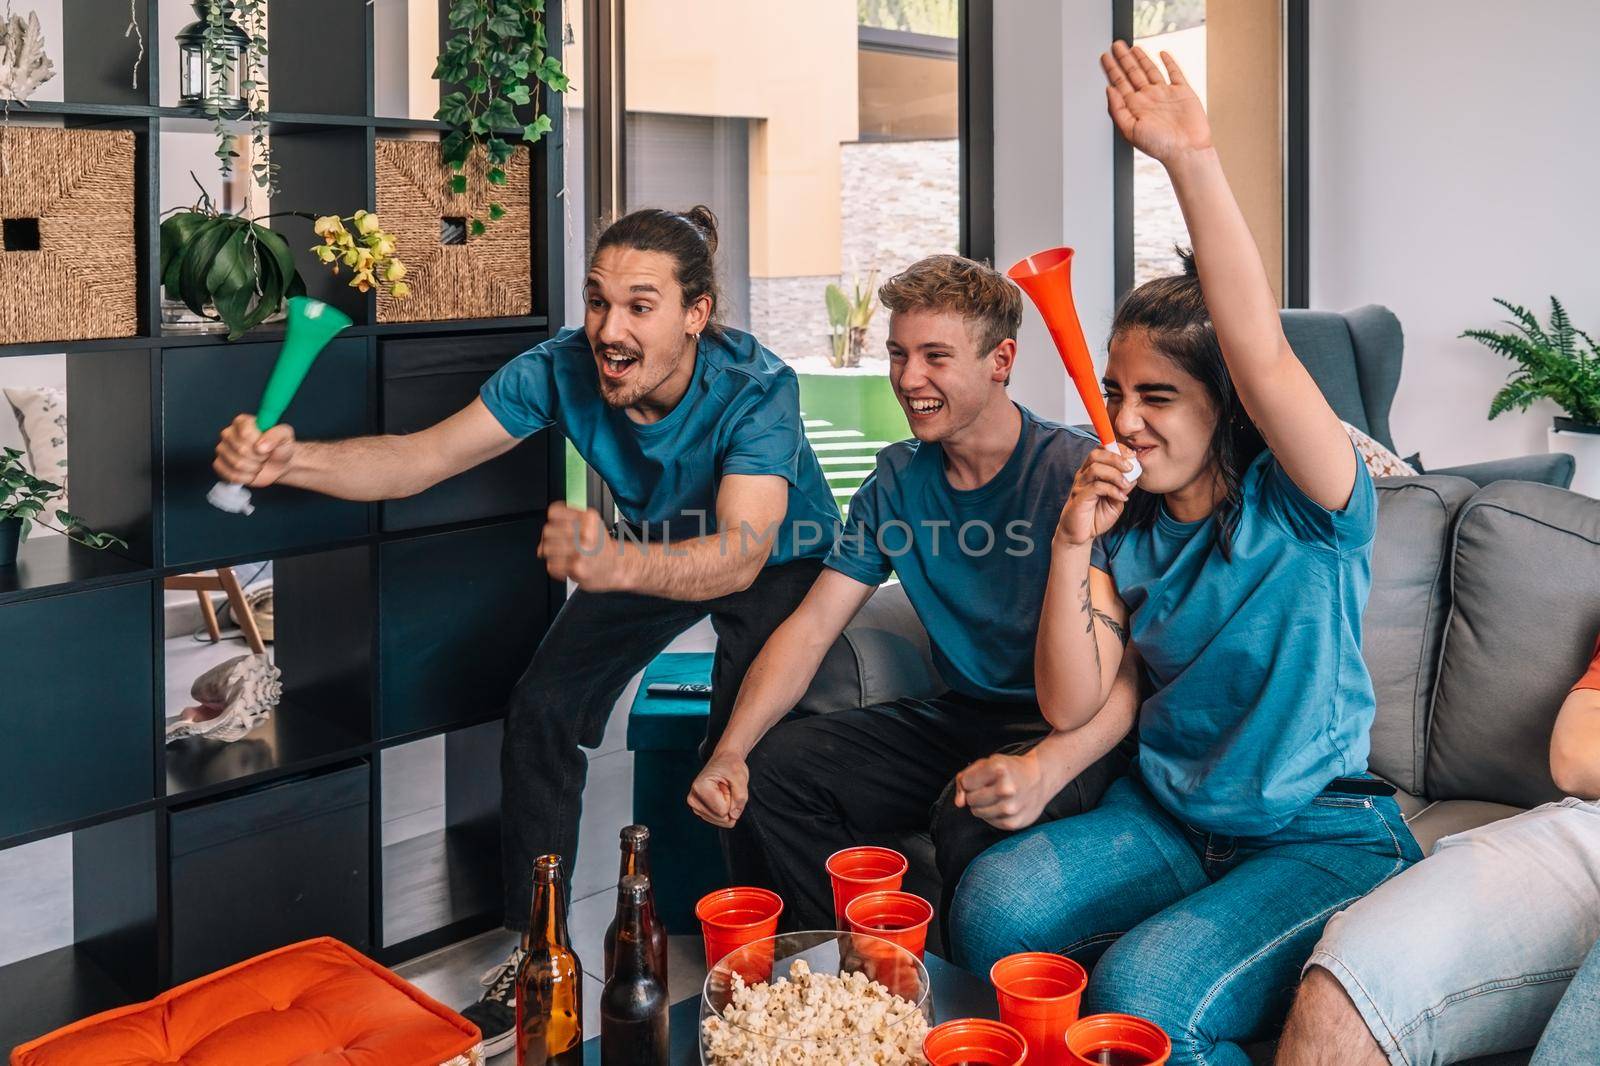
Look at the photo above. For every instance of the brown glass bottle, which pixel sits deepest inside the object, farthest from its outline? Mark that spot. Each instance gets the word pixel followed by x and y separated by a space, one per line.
pixel 550 979
pixel 636 863
pixel 633 1007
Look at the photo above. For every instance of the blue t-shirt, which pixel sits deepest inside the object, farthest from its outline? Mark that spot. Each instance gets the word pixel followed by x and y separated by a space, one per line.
pixel 973 561
pixel 1261 696
pixel 741 415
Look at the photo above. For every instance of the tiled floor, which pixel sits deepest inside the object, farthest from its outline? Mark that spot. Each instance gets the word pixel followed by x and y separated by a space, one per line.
pixel 451 975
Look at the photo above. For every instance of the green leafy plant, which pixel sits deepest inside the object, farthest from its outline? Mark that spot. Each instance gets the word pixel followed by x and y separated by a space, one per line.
pixel 497 47
pixel 1559 362
pixel 848 317
pixel 251 17
pixel 227 267
pixel 24 498
pixel 232 269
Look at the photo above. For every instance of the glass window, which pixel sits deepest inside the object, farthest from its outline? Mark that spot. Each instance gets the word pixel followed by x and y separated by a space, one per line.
pixel 825 139
pixel 1178 27
pixel 1233 57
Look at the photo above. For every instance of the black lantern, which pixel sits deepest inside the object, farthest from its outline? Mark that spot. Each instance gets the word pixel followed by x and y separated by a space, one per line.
pixel 211 65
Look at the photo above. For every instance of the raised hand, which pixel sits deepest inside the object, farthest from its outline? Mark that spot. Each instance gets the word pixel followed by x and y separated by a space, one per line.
pixel 1159 115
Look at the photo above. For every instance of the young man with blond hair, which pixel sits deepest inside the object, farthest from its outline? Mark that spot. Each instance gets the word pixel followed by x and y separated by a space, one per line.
pixel 963 514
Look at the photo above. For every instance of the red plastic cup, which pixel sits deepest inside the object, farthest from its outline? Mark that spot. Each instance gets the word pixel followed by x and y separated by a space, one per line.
pixel 1118 1039
pixel 730 918
pixel 1038 994
pixel 856 871
pixel 898 917
pixel 974 1041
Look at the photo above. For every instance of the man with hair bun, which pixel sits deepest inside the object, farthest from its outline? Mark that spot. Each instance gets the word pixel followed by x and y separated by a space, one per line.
pixel 964 514
pixel 696 429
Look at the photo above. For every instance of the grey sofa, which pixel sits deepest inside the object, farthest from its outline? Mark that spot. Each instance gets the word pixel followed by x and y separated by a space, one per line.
pixel 1355 356
pixel 1484 609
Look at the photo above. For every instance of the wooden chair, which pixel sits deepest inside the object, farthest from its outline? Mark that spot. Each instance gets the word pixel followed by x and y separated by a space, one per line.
pixel 220 580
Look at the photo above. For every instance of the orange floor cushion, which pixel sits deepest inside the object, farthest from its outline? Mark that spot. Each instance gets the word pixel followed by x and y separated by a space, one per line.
pixel 316 1003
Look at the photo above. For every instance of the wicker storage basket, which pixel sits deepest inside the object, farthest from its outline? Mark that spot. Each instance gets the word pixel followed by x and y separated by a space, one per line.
pixel 70 192
pixel 486 277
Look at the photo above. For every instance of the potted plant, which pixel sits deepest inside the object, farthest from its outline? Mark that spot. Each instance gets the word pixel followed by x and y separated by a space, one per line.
pixel 848 318
pixel 1557 362
pixel 230 269
pixel 23 499
pixel 495 51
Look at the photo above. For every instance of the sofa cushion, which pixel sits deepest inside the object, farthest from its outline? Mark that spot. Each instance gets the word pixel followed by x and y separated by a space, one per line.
pixel 317 1001
pixel 1405 617
pixel 1525 592
pixel 1440 819
pixel 883 655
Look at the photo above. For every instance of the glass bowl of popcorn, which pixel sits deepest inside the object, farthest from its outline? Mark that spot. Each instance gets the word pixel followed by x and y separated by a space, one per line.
pixel 822 997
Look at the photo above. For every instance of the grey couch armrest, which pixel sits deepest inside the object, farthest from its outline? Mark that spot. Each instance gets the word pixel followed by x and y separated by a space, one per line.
pixel 1555 468
pixel 883 655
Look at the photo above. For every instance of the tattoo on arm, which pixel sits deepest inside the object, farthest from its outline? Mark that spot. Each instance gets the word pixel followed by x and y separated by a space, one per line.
pixel 1088 621
pixel 1112 624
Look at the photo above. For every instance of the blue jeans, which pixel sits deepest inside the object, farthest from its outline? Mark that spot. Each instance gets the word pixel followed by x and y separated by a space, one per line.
pixel 1202 934
pixel 1574 1029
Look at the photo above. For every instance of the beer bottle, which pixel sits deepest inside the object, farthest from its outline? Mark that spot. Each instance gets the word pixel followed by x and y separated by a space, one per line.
pixel 636 862
pixel 550 979
pixel 633 1007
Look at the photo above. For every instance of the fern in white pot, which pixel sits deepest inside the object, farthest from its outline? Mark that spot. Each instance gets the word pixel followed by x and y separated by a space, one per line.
pixel 1558 362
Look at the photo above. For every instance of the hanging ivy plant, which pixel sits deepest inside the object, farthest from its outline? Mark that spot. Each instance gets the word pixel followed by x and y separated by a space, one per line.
pixel 250 16
pixel 497 56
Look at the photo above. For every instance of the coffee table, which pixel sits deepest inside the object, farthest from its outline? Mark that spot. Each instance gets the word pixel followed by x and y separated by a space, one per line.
pixel 956 994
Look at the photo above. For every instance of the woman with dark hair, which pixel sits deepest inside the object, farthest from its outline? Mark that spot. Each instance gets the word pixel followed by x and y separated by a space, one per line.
pixel 1237 571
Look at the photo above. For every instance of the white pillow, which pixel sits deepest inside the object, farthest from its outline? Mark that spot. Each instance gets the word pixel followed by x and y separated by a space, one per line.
pixel 41 413
pixel 1381 462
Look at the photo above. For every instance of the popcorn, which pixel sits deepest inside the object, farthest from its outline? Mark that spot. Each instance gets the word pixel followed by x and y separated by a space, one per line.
pixel 816 1019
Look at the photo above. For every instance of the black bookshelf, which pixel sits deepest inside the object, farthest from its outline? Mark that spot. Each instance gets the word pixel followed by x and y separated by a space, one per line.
pixel 396 623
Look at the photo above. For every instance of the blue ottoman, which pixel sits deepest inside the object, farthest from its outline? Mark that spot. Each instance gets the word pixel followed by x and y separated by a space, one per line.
pixel 664 734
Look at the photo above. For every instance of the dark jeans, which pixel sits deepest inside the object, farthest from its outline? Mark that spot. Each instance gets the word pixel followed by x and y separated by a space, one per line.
pixel 959 836
pixel 860 776
pixel 596 644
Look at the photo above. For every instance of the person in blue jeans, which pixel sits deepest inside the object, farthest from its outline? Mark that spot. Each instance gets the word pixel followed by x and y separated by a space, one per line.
pixel 1237 570
pixel 1481 948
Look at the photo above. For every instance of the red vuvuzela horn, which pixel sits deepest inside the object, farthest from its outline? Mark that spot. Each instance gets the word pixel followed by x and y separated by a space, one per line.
pixel 1047 279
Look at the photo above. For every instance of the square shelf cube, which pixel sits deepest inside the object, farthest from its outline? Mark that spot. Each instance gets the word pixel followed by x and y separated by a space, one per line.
pixel 77 710
pixel 441 833
pixel 427 379
pixel 433 676
pixel 203 387
pixel 78 932
pixel 454 274
pixel 68 260
pixel 256 871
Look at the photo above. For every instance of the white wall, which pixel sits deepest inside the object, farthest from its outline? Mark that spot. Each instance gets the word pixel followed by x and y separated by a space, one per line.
pixel 1052 175
pixel 1454 153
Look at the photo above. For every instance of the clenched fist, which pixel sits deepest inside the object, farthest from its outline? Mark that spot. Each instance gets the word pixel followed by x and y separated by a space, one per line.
pixel 247 456
pixel 720 790
pixel 1007 791
pixel 576 547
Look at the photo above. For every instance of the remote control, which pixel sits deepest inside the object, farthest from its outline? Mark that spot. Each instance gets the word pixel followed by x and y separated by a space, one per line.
pixel 668 688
